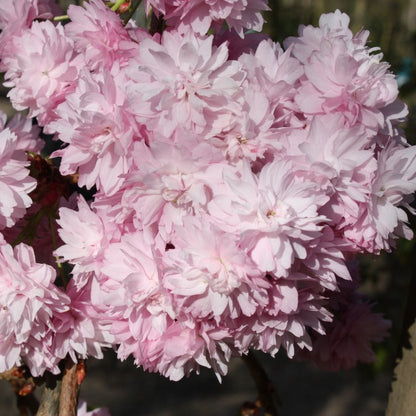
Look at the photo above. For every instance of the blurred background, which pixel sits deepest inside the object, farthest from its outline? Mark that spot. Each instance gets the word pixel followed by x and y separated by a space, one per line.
pixel 303 389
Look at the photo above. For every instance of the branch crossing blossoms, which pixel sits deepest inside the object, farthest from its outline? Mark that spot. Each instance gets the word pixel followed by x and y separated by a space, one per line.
pixel 228 183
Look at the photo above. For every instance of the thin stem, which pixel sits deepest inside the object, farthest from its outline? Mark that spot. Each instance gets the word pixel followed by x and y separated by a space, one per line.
pixel 117 4
pixel 59 18
pixel 267 394
pixel 53 232
pixel 49 405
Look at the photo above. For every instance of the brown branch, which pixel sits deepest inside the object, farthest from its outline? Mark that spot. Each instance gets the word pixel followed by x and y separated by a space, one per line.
pixel 10 375
pixel 60 394
pixel 68 401
pixel 49 405
pixel 267 395
pixel 402 400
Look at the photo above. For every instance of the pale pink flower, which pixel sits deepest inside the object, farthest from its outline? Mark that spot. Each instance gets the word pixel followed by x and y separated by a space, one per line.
pixel 84 236
pixel 130 271
pixel 41 69
pixel 276 214
pixel 346 164
pixel 182 348
pixel 276 74
pixel 84 330
pixel 383 218
pixel 209 276
pixel 249 135
pixel 268 106
pixel 144 322
pixel 344 76
pixel 17 16
pixel 15 182
pixel 331 26
pixel 96 123
pixel 28 300
pixel 184 81
pixel 99 35
pixel 171 182
pixel 127 290
pixel 27 133
pixel 201 15
pixel 295 306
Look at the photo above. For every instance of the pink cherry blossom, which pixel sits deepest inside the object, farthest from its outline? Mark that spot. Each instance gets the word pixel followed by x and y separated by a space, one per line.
pixel 15 182
pixel 286 320
pixel 346 163
pixel 383 218
pixel 29 301
pixel 343 75
pixel 41 70
pixel 184 81
pixel 144 321
pixel 85 237
pixel 200 15
pixel 17 16
pixel 276 74
pixel 172 182
pixel 99 35
pixel 209 276
pixel 96 123
pixel 269 213
pixel 27 133
pixel 84 331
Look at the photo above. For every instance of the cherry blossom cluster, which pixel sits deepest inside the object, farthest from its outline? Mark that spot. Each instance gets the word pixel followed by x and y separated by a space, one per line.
pixel 228 184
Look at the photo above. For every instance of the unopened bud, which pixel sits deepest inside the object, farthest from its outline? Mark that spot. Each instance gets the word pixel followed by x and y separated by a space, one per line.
pixel 124 7
pixel 26 389
pixel 81 372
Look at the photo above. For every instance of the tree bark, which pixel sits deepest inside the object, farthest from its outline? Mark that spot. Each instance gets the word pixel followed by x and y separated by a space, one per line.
pixel 60 397
pixel 402 400
pixel 49 404
pixel 68 402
